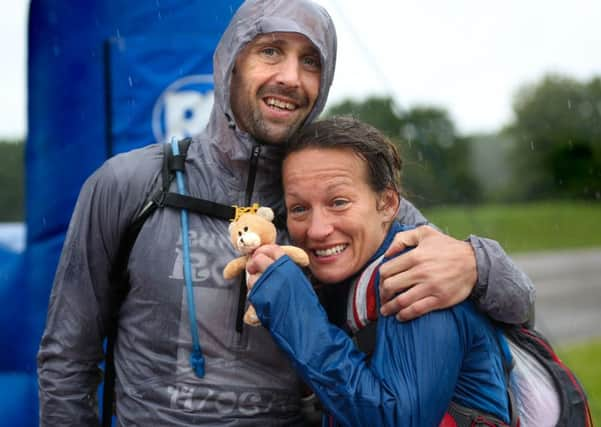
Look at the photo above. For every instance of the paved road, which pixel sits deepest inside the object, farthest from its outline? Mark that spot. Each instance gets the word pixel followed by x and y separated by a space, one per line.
pixel 568 293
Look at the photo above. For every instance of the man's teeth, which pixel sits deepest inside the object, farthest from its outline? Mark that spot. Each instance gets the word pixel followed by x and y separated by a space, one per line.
pixel 280 104
pixel 330 251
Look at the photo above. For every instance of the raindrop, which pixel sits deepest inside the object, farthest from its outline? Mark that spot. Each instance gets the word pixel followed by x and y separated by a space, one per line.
pixel 531 145
pixel 569 104
pixel 130 81
pixel 52 18
pixel 446 140
pixel 409 132
pixel 585 110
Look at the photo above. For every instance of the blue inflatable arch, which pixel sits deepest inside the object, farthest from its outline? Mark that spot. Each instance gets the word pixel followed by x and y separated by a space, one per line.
pixel 104 76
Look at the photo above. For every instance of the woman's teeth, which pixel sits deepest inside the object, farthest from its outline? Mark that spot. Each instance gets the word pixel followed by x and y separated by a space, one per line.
pixel 335 250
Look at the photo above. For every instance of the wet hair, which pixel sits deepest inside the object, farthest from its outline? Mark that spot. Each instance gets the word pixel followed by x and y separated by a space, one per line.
pixel 381 156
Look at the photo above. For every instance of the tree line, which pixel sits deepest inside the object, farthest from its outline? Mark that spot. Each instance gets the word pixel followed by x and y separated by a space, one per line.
pixel 550 150
pixel 12 179
pixel 552 146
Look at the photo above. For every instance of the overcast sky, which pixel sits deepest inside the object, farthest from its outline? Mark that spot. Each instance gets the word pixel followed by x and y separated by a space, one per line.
pixel 468 56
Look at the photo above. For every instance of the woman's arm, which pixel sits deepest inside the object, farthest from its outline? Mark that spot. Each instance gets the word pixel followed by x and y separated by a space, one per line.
pixel 413 371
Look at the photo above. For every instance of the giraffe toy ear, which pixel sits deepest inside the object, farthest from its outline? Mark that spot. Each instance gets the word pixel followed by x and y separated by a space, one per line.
pixel 266 213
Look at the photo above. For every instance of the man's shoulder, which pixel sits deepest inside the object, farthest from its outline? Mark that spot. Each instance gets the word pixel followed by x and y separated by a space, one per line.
pixel 409 214
pixel 127 174
pixel 140 161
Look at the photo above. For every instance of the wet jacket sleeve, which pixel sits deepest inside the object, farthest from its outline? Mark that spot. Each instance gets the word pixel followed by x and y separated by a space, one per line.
pixel 503 291
pixel 79 308
pixel 412 373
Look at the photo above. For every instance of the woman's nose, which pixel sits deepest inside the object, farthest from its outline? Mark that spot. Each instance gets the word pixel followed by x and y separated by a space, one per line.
pixel 320 227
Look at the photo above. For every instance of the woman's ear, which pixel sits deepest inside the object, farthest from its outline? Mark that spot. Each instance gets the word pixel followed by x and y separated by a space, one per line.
pixel 388 204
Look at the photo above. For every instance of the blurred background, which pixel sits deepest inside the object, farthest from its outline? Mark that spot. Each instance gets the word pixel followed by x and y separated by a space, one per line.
pixel 496 109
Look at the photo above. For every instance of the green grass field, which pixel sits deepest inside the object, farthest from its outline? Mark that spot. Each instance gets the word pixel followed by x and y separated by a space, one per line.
pixel 525 227
pixel 584 360
pixel 539 227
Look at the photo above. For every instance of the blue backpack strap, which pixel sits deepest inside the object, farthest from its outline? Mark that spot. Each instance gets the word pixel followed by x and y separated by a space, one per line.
pixel 196 358
pixel 172 165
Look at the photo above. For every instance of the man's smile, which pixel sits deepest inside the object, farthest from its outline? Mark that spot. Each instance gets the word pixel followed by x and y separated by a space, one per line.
pixel 280 104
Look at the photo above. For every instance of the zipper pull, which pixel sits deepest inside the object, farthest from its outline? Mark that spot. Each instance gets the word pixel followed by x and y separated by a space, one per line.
pixel 252 172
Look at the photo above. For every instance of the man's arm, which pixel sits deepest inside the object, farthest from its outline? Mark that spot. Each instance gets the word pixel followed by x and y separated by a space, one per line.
pixel 80 304
pixel 442 271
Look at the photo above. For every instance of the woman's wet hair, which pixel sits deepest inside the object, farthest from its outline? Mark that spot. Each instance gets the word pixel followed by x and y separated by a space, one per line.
pixel 381 156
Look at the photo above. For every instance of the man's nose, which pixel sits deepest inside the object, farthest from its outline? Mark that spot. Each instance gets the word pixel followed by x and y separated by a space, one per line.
pixel 320 226
pixel 289 72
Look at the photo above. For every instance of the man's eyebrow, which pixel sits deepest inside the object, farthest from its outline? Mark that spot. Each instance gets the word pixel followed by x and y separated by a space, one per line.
pixel 267 39
pixel 313 51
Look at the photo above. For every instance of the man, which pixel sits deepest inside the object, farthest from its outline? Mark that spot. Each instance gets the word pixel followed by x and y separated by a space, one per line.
pixel 272 70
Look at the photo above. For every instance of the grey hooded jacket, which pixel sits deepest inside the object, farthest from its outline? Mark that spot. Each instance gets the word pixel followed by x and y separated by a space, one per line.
pixel 248 380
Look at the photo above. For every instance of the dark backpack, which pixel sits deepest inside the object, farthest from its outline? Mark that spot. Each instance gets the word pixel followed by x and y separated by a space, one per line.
pixel 574 407
pixel 574 410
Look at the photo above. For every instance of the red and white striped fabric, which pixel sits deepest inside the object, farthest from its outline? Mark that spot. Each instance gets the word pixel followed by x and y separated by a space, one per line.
pixel 362 306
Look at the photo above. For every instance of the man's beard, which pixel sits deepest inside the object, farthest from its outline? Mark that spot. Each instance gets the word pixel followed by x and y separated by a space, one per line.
pixel 266 132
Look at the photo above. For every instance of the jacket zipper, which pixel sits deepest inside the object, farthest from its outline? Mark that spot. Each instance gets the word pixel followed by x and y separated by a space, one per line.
pixel 250 184
pixel 252 172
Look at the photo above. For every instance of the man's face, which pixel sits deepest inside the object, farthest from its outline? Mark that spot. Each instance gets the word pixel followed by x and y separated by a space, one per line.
pixel 274 85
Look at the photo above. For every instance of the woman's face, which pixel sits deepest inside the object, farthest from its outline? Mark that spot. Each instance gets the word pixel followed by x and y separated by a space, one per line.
pixel 333 214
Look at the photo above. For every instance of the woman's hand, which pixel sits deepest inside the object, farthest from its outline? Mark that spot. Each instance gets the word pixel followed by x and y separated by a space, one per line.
pixel 439 273
pixel 261 259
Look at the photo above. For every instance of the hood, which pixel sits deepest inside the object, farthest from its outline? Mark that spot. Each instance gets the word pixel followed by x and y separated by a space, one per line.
pixel 256 17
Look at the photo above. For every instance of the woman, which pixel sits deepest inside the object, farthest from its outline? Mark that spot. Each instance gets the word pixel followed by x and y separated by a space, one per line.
pixel 341 181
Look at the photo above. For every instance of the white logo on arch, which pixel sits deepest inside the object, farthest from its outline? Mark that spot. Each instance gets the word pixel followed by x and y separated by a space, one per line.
pixel 184 107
